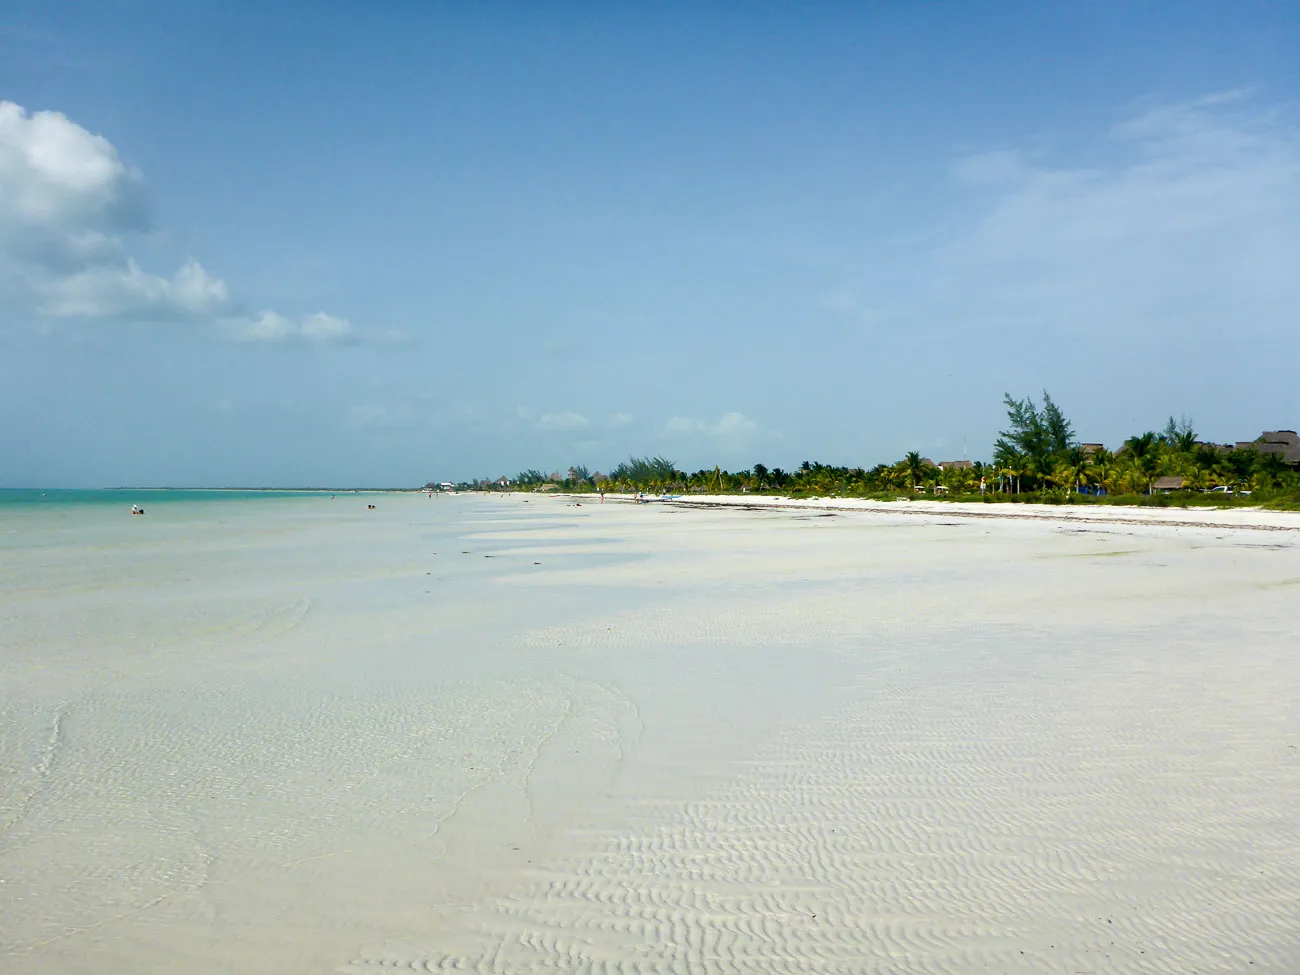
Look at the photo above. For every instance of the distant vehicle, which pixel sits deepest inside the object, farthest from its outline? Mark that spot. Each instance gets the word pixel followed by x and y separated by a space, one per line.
pixel 1221 489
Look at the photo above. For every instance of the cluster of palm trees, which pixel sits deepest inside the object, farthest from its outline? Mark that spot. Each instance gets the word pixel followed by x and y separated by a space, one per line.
pixel 1037 456
pixel 1039 453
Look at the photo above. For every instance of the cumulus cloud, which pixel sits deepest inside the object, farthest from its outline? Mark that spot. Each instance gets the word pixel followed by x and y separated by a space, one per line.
pixel 68 204
pixel 61 180
pixel 123 290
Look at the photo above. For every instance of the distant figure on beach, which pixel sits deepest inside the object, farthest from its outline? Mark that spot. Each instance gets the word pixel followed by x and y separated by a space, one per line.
pixel 136 509
pixel 370 507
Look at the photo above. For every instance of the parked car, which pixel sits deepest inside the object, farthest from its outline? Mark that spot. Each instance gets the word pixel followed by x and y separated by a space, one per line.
pixel 1221 489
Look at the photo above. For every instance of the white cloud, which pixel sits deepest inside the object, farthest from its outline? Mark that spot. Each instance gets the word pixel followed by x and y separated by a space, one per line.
pixel 730 426
pixel 271 326
pixel 59 179
pixel 561 421
pixel 113 290
pixel 324 327
pixel 67 205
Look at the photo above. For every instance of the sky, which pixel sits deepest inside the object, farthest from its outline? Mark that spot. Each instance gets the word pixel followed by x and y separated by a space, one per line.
pixel 290 244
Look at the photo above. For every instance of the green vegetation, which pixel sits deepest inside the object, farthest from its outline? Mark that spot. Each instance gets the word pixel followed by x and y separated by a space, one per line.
pixel 1036 459
pixel 645 472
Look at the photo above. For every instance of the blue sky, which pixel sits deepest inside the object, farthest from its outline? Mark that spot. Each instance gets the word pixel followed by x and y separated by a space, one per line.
pixel 338 244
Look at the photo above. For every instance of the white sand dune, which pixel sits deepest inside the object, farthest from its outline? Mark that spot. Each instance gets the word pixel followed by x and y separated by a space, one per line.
pixel 288 737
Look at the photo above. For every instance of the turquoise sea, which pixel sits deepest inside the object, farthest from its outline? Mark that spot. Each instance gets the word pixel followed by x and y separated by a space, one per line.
pixel 144 496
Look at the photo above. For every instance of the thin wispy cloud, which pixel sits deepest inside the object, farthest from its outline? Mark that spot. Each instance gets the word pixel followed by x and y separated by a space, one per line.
pixel 272 327
pixel 1193 215
pixel 730 426
pixel 561 421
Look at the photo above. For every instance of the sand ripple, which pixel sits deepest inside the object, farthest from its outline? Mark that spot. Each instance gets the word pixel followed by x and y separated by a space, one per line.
pixel 1043 828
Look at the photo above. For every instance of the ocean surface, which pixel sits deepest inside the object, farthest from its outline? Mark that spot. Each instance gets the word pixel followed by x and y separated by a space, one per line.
pixel 10 497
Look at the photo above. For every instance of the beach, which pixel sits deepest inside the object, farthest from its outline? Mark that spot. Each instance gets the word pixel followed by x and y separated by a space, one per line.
pixel 513 733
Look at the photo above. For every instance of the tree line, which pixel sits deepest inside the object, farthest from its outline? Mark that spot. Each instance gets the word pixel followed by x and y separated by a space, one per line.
pixel 1036 458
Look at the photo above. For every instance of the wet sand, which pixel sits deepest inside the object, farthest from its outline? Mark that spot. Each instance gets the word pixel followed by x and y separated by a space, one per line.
pixel 295 735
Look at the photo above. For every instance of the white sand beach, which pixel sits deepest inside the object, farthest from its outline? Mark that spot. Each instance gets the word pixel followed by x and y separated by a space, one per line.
pixel 1209 516
pixel 526 734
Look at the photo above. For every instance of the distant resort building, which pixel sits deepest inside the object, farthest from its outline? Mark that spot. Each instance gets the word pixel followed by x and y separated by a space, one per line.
pixel 1284 443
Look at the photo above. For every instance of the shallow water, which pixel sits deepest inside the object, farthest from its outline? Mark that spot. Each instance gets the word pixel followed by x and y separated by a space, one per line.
pixel 290 734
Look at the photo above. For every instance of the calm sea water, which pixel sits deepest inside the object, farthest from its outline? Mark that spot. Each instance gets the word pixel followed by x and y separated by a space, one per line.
pixel 27 497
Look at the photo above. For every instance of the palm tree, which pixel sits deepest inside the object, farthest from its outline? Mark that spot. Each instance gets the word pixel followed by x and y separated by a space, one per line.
pixel 1014 465
pixel 1269 470
pixel 1205 457
pixel 914 466
pixel 1144 456
pixel 1073 468
pixel 1141 445
pixel 1102 471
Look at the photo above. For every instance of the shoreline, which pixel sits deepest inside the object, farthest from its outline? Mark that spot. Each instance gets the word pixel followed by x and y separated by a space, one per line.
pixel 1255 519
